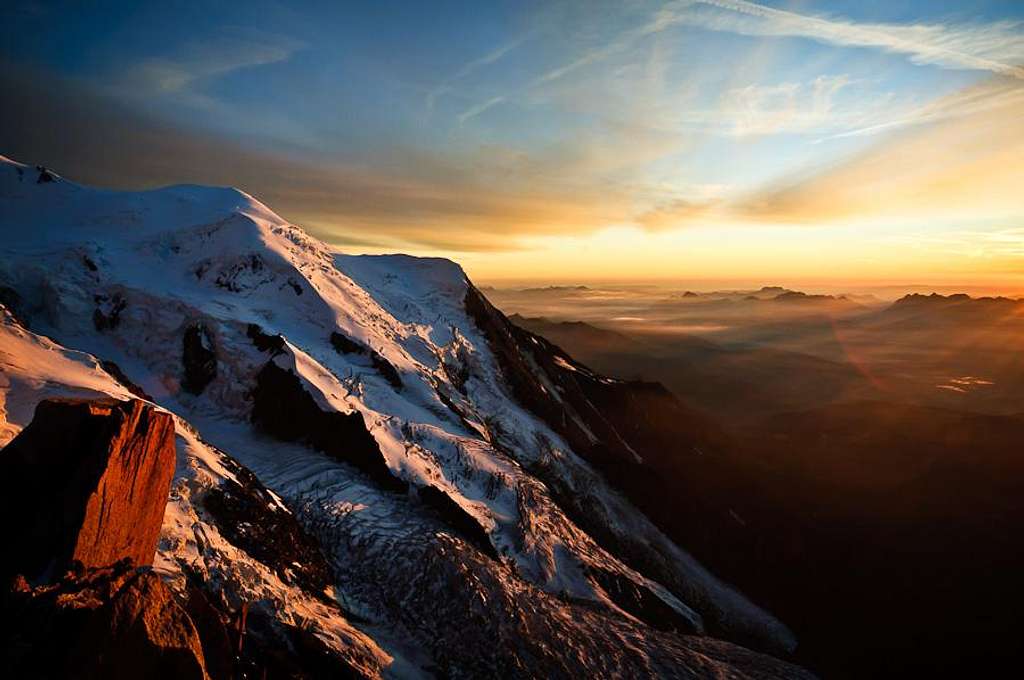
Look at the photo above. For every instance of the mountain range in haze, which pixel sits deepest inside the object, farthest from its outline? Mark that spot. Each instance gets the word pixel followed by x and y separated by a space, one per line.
pixel 872 481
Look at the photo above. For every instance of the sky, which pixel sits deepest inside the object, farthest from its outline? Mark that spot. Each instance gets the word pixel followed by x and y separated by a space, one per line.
pixel 784 142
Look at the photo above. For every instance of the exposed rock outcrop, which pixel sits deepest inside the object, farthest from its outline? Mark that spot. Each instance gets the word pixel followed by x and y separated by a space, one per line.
pixel 620 426
pixel 283 408
pixel 265 342
pixel 12 302
pixel 661 455
pixel 460 520
pixel 112 623
pixel 120 376
pixel 141 632
pixel 251 518
pixel 85 482
pixel 525 368
pixel 46 175
pixel 640 602
pixel 107 315
pixel 199 359
pixel 346 345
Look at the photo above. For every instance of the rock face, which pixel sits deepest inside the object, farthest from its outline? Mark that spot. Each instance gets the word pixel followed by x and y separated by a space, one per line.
pixel 198 358
pixel 642 603
pixel 605 420
pixel 346 345
pixel 87 482
pixel 659 454
pixel 457 518
pixel 111 623
pixel 264 342
pixel 142 632
pixel 284 409
pixel 243 512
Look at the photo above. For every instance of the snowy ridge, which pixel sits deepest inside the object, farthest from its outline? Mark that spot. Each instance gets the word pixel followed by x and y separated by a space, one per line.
pixel 122 276
pixel 33 368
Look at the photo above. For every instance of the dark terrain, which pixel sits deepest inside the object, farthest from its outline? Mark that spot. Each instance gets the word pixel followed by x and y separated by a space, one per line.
pixel 847 496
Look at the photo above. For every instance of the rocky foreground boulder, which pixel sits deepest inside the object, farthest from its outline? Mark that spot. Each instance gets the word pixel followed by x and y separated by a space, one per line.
pixel 85 482
pixel 86 487
pixel 112 623
pixel 88 483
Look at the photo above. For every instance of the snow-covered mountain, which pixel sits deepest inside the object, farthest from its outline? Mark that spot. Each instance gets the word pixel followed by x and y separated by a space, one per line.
pixel 368 452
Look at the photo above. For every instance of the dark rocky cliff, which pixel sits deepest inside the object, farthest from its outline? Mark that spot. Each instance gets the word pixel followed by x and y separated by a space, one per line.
pixel 87 482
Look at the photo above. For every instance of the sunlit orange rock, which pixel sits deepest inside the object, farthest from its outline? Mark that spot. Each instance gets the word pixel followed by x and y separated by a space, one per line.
pixel 111 623
pixel 85 482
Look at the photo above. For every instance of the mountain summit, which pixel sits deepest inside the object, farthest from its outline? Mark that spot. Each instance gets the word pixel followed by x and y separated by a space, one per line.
pixel 377 474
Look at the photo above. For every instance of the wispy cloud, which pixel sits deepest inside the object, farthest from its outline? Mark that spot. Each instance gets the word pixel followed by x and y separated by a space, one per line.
pixel 414 200
pixel 786 107
pixel 656 23
pixel 997 47
pixel 678 212
pixel 471 67
pixel 970 102
pixel 966 165
pixel 827 106
pixel 474 111
pixel 184 71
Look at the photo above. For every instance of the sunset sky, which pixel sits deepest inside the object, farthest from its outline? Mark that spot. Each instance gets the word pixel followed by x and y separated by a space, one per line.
pixel 560 141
